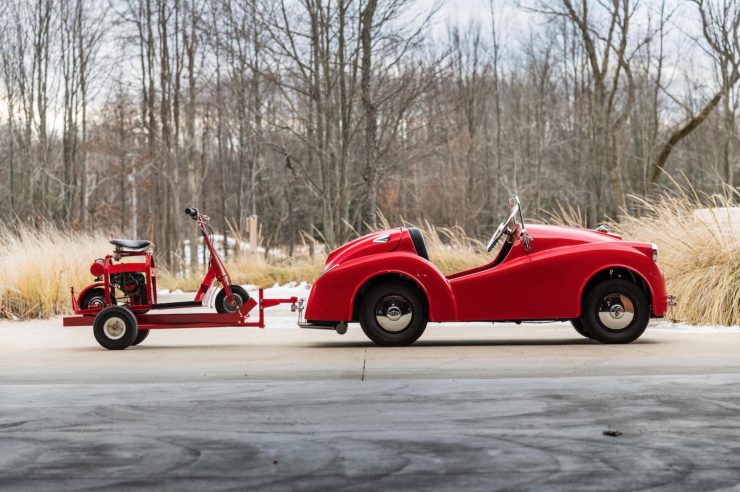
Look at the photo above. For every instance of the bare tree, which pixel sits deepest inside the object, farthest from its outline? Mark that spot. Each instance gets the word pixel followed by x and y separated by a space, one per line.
pixel 721 28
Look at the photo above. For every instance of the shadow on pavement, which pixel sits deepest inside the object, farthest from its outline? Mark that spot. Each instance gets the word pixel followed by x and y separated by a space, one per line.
pixel 474 343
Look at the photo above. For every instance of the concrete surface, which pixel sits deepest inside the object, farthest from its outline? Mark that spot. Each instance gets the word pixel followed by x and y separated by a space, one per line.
pixel 469 407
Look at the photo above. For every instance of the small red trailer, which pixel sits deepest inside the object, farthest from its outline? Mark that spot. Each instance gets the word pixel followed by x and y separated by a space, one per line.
pixel 118 304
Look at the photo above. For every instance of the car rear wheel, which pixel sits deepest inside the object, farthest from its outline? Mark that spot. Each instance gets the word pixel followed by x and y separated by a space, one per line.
pixel 616 311
pixel 578 325
pixel 393 314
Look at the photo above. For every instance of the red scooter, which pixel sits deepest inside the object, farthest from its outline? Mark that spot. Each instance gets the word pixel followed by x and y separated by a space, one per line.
pixel 117 304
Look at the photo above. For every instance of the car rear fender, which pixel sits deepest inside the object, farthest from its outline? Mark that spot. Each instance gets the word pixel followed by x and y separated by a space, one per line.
pixel 338 291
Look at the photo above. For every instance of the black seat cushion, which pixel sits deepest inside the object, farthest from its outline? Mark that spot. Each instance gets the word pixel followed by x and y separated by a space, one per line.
pixel 418 239
pixel 130 243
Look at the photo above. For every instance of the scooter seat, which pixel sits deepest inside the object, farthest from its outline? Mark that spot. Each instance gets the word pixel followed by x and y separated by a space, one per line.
pixel 135 244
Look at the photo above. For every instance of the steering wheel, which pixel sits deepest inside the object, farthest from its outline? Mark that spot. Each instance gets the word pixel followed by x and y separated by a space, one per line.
pixel 504 227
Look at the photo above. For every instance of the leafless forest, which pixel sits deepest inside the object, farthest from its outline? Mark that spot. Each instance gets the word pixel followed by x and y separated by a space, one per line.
pixel 317 115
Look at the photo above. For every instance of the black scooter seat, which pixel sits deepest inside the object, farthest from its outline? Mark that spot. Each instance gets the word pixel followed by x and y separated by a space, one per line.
pixel 135 244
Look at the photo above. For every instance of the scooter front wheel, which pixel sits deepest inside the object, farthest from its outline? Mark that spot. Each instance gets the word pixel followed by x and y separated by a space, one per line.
pixel 222 300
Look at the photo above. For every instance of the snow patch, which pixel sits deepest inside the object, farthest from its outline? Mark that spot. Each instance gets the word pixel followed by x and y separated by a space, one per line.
pixel 281 291
pixel 686 328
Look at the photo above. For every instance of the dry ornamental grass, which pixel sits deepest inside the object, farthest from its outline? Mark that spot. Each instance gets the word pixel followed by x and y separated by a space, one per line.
pixel 698 237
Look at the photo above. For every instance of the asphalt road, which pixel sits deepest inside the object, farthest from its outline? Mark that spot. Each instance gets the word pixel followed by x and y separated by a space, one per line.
pixel 468 407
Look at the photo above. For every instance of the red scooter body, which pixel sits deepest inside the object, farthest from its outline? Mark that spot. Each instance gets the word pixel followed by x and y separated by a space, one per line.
pixel 119 302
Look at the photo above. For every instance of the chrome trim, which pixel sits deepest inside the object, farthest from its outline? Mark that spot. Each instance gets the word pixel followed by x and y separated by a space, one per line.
pixel 382 239
pixel 302 323
pixel 655 251
pixel 394 313
pixel 114 328
pixel 616 311
pixel 299 307
pixel 328 269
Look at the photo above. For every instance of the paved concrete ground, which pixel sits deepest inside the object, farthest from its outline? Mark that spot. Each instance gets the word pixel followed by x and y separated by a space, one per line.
pixel 468 407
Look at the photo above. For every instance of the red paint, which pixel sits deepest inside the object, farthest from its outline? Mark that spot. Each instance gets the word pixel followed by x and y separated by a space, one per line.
pixel 545 283
pixel 194 320
pixel 217 273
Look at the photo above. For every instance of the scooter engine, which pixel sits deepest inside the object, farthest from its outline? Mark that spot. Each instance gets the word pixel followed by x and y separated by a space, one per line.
pixel 133 286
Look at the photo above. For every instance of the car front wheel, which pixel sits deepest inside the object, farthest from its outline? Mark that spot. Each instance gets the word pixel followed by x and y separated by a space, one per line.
pixel 615 311
pixel 393 314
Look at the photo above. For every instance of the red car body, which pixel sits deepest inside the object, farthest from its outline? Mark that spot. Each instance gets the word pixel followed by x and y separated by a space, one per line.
pixel 546 281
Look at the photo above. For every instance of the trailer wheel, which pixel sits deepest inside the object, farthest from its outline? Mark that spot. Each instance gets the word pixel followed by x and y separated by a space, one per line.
pixel 393 314
pixel 140 336
pixel 222 300
pixel 616 311
pixel 115 328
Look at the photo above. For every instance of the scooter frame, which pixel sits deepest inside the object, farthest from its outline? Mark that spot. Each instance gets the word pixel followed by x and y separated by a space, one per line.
pixel 216 272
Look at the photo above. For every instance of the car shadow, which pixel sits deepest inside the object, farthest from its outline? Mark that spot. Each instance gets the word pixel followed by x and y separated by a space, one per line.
pixel 474 343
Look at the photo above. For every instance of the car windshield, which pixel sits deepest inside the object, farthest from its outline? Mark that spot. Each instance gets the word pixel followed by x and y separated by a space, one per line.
pixel 515 207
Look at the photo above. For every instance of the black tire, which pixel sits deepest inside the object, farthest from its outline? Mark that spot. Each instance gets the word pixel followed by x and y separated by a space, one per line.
pixel 115 328
pixel 402 299
pixel 94 298
pixel 222 300
pixel 606 311
pixel 140 336
pixel 578 325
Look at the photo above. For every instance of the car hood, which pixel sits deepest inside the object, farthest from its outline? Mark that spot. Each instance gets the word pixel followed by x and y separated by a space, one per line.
pixel 550 236
pixel 573 235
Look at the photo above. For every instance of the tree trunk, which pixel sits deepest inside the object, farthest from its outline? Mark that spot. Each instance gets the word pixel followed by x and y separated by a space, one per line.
pixel 371 116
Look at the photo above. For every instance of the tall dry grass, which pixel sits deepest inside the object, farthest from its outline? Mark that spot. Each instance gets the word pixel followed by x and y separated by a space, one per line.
pixel 450 249
pixel 698 238
pixel 699 254
pixel 38 266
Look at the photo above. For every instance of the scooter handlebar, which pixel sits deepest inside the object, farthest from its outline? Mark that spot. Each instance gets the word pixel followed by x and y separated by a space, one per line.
pixel 192 212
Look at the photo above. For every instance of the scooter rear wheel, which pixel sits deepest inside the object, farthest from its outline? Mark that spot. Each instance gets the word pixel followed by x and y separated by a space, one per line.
pixel 95 298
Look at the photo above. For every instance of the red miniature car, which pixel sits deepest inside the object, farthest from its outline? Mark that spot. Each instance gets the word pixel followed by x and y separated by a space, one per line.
pixel 606 287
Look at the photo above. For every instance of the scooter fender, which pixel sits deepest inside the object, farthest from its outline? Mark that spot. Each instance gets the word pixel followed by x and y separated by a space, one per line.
pixel 90 287
pixel 334 293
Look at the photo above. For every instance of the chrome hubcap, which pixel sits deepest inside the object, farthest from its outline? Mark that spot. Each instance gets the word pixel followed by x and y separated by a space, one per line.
pixel 616 311
pixel 96 302
pixel 233 306
pixel 394 313
pixel 114 328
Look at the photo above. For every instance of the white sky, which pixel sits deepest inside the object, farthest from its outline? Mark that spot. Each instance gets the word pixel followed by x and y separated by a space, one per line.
pixel 514 25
